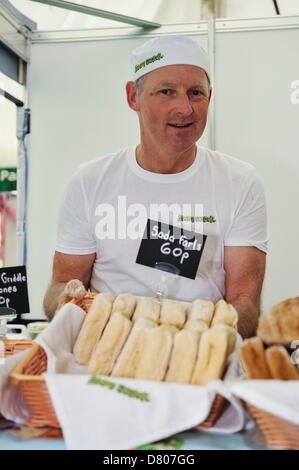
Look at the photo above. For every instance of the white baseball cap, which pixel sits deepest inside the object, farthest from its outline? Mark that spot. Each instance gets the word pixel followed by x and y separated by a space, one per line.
pixel 168 50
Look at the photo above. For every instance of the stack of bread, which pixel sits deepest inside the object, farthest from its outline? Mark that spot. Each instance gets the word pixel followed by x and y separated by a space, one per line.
pixel 142 338
pixel 269 355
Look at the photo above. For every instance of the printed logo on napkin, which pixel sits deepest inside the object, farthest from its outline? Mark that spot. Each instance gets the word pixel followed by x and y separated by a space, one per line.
pixel 171 248
pixel 97 380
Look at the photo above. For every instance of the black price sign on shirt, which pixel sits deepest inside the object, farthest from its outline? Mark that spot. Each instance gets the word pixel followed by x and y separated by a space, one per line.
pixel 13 289
pixel 171 249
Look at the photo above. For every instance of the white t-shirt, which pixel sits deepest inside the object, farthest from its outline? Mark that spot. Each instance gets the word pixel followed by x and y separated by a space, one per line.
pixel 109 199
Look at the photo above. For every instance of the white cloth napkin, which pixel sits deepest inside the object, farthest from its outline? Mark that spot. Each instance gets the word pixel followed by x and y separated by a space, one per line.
pixel 95 416
pixel 58 340
pixel 278 397
pixel 12 403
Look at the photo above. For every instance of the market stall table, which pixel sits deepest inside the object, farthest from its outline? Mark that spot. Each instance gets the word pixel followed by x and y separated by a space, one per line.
pixel 189 440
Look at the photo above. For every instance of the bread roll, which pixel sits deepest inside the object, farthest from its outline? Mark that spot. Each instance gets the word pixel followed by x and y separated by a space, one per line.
pixel 183 356
pixel 225 314
pixel 281 323
pixel 201 310
pixel 196 325
pixel 279 363
pixel 156 353
pixel 253 359
pixel 232 336
pixel 128 360
pixel 110 344
pixel 214 349
pixel 147 307
pixel 93 326
pixel 125 304
pixel 172 313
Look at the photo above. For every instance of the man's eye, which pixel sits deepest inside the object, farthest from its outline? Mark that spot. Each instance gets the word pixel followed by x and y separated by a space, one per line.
pixel 196 92
pixel 165 91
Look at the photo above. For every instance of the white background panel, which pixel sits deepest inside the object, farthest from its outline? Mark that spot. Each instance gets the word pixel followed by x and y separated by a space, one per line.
pixel 257 122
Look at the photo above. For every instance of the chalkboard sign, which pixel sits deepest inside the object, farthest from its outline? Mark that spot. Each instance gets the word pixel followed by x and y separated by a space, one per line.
pixel 13 289
pixel 171 248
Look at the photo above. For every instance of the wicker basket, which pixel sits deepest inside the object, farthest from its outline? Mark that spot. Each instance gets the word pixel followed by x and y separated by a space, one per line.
pixel 13 346
pixel 34 389
pixel 279 433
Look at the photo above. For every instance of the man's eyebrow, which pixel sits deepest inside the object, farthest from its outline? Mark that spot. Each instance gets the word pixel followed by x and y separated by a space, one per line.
pixel 196 86
pixel 165 85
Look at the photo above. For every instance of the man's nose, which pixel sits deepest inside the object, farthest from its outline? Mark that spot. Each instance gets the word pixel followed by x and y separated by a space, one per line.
pixel 183 105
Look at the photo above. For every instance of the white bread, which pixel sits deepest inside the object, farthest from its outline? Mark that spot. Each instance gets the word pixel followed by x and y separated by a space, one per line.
pixel 110 344
pixel 93 326
pixel 281 323
pixel 172 313
pixel 253 359
pixel 125 304
pixel 156 353
pixel 225 314
pixel 279 363
pixel 147 307
pixel 201 310
pixel 128 360
pixel 183 356
pixel 196 325
pixel 214 349
pixel 232 336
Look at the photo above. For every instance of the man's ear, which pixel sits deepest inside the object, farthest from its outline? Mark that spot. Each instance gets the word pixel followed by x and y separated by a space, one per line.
pixel 132 97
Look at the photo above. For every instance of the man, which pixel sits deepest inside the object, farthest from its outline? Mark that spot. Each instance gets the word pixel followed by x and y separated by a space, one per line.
pixel 101 243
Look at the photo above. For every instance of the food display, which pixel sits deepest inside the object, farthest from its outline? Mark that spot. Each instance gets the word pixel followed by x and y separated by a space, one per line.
pixel 268 355
pixel 281 324
pixel 93 326
pixel 143 338
pixel 279 363
pixel 216 344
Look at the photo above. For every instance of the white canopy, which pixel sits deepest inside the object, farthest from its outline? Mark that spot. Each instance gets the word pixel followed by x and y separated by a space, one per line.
pixel 50 17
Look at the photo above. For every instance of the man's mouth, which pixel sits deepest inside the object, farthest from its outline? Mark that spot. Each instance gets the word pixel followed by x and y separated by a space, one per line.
pixel 179 126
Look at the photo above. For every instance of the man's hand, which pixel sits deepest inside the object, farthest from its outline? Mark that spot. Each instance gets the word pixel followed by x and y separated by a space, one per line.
pixel 66 268
pixel 74 289
pixel 245 270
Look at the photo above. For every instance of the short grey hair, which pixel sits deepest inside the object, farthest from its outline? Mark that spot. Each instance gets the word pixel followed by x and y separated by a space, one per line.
pixel 140 82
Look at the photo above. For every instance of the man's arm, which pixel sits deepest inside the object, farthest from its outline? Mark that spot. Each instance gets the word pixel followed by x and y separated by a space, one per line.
pixel 66 268
pixel 245 270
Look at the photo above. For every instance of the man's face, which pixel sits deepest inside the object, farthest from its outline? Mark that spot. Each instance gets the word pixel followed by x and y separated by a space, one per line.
pixel 172 107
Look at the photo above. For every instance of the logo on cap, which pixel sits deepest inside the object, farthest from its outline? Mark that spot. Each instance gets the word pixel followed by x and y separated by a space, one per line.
pixel 159 56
